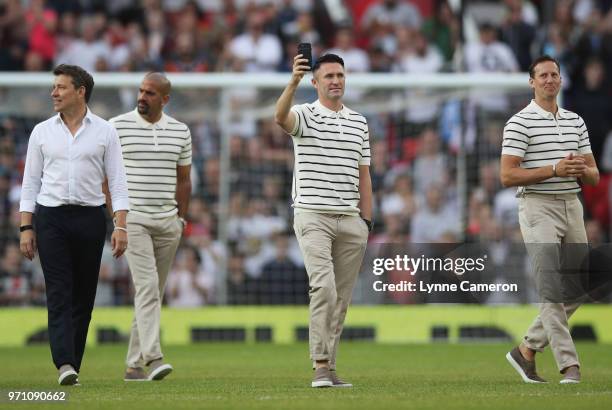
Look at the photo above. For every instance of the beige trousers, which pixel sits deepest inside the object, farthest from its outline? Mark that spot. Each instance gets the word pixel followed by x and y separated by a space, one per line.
pixel 548 223
pixel 152 245
pixel 333 247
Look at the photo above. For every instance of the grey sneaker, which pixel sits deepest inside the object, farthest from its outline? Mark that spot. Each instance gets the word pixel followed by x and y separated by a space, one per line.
pixel 322 378
pixel 525 368
pixel 571 375
pixel 67 375
pixel 337 381
pixel 159 369
pixel 135 374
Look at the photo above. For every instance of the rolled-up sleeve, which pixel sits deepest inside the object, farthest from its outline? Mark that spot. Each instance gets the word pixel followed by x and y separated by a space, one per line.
pixel 32 174
pixel 115 172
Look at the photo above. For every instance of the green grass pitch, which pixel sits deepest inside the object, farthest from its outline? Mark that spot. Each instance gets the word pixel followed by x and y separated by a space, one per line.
pixel 265 376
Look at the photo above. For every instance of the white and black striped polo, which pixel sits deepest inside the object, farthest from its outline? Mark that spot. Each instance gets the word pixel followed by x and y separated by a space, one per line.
pixel 329 148
pixel 540 139
pixel 151 153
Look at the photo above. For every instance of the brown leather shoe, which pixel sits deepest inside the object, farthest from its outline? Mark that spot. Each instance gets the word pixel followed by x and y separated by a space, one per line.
pixel 571 375
pixel 525 368
pixel 322 378
pixel 135 374
pixel 337 381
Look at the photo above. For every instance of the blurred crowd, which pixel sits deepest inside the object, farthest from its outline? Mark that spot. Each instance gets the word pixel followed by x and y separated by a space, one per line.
pixel 414 163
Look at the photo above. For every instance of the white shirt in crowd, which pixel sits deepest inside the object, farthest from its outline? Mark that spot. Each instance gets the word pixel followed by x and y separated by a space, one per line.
pixel 62 169
pixel 181 282
pixel 261 55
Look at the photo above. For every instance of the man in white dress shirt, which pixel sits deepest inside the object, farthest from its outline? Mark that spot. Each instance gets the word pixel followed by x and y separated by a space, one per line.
pixel 70 157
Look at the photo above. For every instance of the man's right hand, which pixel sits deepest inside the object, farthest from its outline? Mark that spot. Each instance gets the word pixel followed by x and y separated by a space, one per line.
pixel 27 243
pixel 300 68
pixel 571 166
pixel 282 114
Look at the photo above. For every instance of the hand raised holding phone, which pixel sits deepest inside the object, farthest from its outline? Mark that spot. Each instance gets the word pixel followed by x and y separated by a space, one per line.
pixel 302 62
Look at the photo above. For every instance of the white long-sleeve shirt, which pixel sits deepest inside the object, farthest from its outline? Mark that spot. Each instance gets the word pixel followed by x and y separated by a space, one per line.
pixel 62 169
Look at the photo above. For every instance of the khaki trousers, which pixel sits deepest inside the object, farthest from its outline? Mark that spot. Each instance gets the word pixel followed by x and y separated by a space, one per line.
pixel 548 223
pixel 333 247
pixel 152 245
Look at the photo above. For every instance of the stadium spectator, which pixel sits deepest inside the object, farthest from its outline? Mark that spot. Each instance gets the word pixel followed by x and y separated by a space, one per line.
pixel 254 50
pixel 157 153
pixel 489 54
pixel 186 57
pixel 42 26
pixel 190 284
pixel 435 220
pixel 590 99
pixel 88 50
pixel 387 13
pixel 442 30
pixel 518 34
pixel 282 281
pixel 299 29
pixel 400 201
pixel 355 59
pixel 68 31
pixel 431 164
pixel 241 289
pixel 13 36
pixel 380 62
pixel 423 59
pixel 595 41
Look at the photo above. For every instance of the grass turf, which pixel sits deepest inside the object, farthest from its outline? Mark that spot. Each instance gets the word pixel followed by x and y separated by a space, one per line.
pixel 248 376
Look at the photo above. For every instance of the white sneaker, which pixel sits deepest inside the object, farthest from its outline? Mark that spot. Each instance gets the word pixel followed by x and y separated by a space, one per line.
pixel 159 370
pixel 67 376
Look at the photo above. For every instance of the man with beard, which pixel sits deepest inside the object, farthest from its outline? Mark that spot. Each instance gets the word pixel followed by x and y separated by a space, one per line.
pixel 157 155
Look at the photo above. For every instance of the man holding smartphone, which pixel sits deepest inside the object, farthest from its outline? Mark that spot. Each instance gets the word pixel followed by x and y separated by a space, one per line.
pixel 332 199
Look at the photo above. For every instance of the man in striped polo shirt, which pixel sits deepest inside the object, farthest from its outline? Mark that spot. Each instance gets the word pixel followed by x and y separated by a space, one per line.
pixel 545 153
pixel 332 200
pixel 157 156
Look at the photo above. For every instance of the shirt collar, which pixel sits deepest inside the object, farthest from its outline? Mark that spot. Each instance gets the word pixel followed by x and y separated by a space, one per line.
pixel 161 124
pixel 326 111
pixel 546 114
pixel 88 116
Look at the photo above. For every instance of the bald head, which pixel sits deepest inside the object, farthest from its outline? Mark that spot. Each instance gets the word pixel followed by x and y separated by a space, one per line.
pixel 153 95
pixel 162 82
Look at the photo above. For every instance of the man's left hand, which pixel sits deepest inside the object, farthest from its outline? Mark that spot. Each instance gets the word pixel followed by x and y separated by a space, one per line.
pixel 119 242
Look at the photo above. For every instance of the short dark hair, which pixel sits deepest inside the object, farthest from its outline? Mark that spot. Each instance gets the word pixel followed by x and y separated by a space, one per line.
pixel 80 77
pixel 542 59
pixel 328 58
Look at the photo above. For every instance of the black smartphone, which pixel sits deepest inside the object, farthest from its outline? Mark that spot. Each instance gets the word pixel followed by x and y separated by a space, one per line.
pixel 305 49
